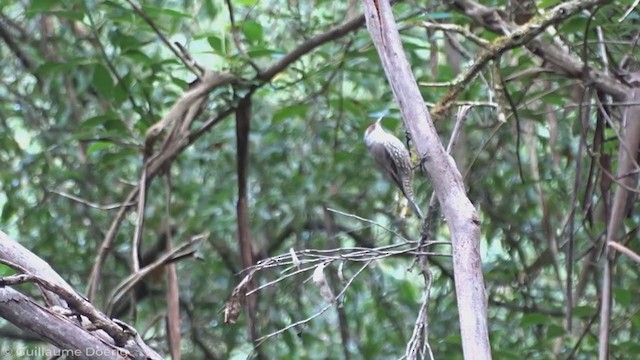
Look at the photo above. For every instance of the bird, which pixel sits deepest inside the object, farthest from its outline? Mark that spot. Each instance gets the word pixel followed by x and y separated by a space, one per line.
pixel 393 158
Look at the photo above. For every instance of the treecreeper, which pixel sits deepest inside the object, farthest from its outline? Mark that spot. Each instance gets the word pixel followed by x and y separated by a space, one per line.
pixel 393 158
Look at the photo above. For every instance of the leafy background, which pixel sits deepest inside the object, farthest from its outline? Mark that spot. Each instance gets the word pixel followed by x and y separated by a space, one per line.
pixel 83 81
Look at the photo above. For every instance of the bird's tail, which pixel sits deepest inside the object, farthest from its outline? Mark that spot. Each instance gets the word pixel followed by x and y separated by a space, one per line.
pixel 415 208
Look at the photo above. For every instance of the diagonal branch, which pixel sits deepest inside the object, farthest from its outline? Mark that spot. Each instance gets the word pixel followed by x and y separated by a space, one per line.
pixel 180 251
pixel 192 67
pixel 306 47
pixel 526 35
pixel 59 293
pixel 460 213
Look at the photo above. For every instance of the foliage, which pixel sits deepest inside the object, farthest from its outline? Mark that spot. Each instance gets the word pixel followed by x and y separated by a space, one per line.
pixel 82 82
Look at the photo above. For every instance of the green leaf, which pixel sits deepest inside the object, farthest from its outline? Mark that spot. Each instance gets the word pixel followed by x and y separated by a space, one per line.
pixel 534 319
pixel 584 311
pixel 555 331
pixel 290 111
pixel 544 4
pixel 102 81
pixel 115 126
pixel 39 6
pixel 68 14
pixel 119 95
pixel 246 2
pixel 159 12
pixel 7 210
pixel 258 52
pixel 553 99
pixel 126 41
pixel 439 15
pixel 119 157
pixel 138 56
pixel 180 82
pixel 217 44
pixel 6 270
pixel 252 31
pixel 348 105
pixel 342 157
pixel 96 121
pixel 506 354
pixel 575 24
pixel 98 146
pixel 50 68
pixel 408 292
pixel 622 296
pixel 211 8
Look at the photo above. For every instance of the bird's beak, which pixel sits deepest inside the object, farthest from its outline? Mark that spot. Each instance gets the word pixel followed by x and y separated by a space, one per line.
pixel 373 126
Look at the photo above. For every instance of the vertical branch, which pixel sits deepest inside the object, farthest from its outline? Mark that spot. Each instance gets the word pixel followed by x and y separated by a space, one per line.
pixel 330 226
pixel 243 125
pixel 137 234
pixel 172 295
pixel 626 179
pixel 447 182
pixel 583 116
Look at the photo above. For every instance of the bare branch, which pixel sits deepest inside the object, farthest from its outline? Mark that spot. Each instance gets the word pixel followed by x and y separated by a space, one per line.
pixel 458 30
pixel 625 250
pixel 322 311
pixel 447 182
pixel 88 203
pixel 164 39
pixel 368 221
pixel 180 251
pixel 64 297
pixel 569 64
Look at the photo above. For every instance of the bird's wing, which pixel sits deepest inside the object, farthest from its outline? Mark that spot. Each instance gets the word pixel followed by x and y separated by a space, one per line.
pixel 387 162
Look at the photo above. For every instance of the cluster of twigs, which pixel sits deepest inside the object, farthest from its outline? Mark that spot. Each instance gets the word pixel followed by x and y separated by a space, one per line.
pixel 296 263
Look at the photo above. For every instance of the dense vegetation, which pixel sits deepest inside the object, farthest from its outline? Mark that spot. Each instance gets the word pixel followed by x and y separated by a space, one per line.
pixel 83 82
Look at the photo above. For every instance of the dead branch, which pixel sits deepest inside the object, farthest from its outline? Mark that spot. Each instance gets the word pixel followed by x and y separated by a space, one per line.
pixel 567 63
pixel 118 336
pixel 54 328
pixel 180 251
pixel 526 34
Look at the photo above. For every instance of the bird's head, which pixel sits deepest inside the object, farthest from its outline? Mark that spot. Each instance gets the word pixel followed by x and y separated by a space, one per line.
pixel 372 130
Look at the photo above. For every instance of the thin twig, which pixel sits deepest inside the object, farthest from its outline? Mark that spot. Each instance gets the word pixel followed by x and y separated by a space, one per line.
pixel 322 311
pixel 235 35
pixel 368 221
pixel 312 257
pixel 180 251
pixel 164 39
pixel 456 29
pixel 629 10
pixel 420 328
pixel 109 62
pixel 89 203
pixel 105 247
pixel 76 302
